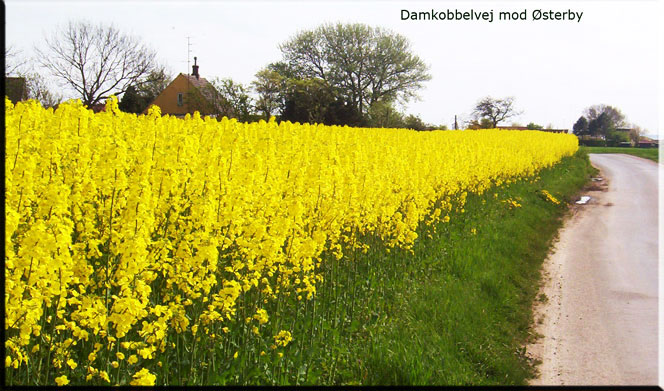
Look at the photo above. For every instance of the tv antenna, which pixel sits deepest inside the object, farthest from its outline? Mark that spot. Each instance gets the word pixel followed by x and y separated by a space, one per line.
pixel 188 53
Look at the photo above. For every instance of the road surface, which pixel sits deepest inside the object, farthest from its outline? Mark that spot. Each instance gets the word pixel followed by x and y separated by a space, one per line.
pixel 600 319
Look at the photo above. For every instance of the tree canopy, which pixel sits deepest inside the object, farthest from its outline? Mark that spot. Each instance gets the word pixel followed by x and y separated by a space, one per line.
pixel 138 97
pixel 361 64
pixel 269 85
pixel 606 116
pixel 495 110
pixel 603 122
pixel 580 128
pixel 223 98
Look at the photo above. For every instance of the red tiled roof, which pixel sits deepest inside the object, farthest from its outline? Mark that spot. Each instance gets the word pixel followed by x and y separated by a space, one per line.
pixel 512 127
pixel 205 87
pixel 197 82
pixel 526 128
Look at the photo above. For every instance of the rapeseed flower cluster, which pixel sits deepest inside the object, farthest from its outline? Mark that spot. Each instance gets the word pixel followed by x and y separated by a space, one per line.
pixel 142 246
pixel 512 203
pixel 550 198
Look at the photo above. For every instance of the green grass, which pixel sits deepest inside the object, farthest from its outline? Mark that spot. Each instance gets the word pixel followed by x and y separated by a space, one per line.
pixel 458 310
pixel 455 311
pixel 647 153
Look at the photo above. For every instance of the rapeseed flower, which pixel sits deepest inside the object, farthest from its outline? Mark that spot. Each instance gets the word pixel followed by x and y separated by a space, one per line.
pixel 61 380
pixel 131 232
pixel 143 378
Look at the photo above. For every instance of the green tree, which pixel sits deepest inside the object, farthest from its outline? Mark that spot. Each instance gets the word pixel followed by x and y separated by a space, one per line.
pixel 615 138
pixel 482 123
pixel 155 82
pixel 580 128
pixel 131 102
pixel 534 126
pixel 601 125
pixel 223 98
pixel 362 64
pixel 612 117
pixel 270 86
pixel 236 99
pixel 385 115
pixel 415 122
pixel 495 110
pixel 307 100
pixel 138 97
pixel 601 121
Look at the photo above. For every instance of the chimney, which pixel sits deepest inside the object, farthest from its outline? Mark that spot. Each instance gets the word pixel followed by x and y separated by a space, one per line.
pixel 195 69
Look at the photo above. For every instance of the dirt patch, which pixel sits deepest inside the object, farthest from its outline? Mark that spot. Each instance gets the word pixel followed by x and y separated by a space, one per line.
pixel 596 187
pixel 599 183
pixel 594 190
pixel 547 313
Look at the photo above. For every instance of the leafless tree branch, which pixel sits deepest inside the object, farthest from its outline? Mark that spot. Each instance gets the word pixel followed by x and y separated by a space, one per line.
pixel 96 61
pixel 14 63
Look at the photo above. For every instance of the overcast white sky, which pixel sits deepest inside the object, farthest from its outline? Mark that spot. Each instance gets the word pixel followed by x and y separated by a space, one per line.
pixel 553 69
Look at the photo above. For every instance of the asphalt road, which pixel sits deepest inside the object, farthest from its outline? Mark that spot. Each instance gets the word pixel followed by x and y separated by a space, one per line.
pixel 600 321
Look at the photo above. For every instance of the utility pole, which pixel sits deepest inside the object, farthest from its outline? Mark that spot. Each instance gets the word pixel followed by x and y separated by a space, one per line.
pixel 456 125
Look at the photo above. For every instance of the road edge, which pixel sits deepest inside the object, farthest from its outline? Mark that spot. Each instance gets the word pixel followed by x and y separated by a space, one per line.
pixel 547 307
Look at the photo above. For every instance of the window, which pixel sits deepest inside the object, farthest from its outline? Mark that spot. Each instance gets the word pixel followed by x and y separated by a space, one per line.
pixel 180 99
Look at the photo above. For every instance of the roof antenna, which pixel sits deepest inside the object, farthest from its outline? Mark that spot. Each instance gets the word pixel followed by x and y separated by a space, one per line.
pixel 188 51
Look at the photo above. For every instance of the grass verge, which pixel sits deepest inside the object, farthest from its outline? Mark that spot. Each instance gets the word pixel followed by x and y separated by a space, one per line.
pixel 457 311
pixel 454 311
pixel 646 153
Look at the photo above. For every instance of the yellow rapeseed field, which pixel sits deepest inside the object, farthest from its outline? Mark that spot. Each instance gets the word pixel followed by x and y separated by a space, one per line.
pixel 137 243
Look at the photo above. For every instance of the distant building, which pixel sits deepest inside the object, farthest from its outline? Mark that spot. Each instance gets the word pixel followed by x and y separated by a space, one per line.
pixel 16 89
pixel 98 107
pixel 526 128
pixel 512 127
pixel 186 94
pixel 647 142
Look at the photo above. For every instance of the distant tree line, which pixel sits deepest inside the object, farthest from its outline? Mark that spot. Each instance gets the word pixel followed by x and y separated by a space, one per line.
pixel 344 74
pixel 336 74
pixel 605 125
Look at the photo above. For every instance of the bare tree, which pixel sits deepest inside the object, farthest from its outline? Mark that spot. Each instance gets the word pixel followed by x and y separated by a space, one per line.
pixel 35 84
pixel 96 61
pixel 14 63
pixel 635 134
pixel 495 110
pixel 39 90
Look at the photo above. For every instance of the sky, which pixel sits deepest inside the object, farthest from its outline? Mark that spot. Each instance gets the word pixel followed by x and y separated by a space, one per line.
pixel 554 69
